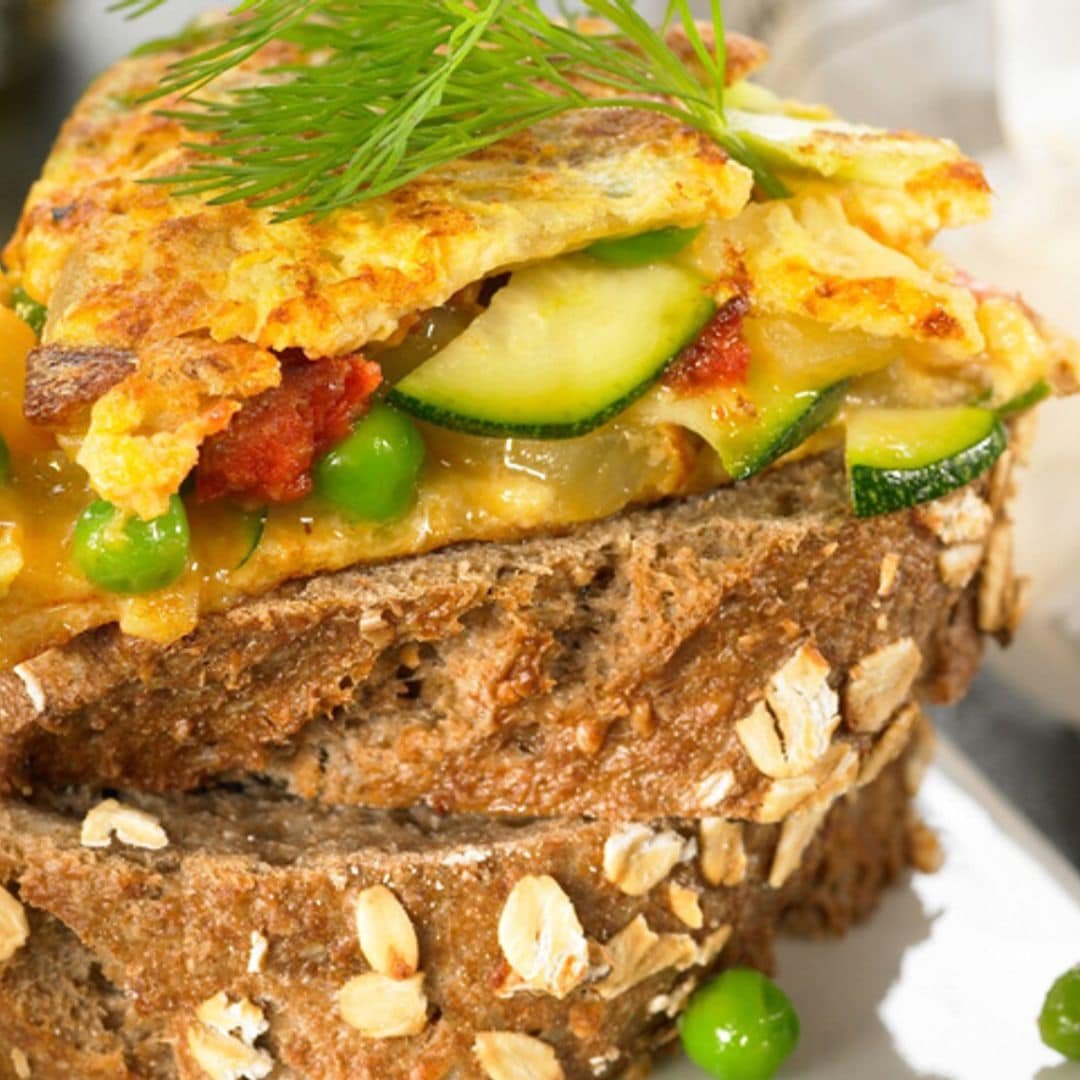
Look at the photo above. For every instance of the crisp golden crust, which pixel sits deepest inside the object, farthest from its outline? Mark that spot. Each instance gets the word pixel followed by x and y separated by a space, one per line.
pixel 60 382
pixel 946 196
pixel 206 295
pixel 805 257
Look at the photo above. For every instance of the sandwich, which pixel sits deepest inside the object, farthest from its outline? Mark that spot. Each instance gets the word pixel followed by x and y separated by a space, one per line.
pixel 556 539
pixel 198 531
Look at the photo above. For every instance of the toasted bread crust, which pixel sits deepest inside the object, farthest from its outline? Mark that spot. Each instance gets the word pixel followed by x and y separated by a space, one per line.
pixel 603 672
pixel 171 929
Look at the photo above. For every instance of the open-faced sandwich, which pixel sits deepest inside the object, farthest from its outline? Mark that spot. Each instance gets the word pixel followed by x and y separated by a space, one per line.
pixel 493 492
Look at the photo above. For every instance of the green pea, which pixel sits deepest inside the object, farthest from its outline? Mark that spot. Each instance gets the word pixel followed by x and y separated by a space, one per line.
pixel 29 310
pixel 5 461
pixel 739 1026
pixel 643 248
pixel 1059 1021
pixel 373 473
pixel 128 555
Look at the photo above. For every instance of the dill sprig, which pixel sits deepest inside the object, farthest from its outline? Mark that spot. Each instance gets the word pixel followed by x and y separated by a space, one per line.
pixel 387 90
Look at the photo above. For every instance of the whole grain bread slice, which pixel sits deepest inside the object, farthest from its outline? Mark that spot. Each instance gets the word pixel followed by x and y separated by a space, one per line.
pixel 650 663
pixel 375 945
pixel 61 1017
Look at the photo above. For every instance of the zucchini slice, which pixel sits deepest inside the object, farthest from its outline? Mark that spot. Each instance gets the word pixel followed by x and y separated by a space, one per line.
pixel 750 426
pixel 897 458
pixel 834 148
pixel 643 247
pixel 565 346
pixel 1031 397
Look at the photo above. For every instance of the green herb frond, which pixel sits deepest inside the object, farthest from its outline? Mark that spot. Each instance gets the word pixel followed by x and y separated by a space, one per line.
pixel 388 90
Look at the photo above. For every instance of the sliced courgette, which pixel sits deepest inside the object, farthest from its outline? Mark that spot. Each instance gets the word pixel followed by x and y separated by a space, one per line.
pixel 566 345
pixel 898 458
pixel 1039 391
pixel 834 148
pixel 644 247
pixel 749 426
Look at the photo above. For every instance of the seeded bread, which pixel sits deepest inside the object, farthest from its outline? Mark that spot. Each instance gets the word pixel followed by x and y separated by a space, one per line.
pixel 604 672
pixel 307 918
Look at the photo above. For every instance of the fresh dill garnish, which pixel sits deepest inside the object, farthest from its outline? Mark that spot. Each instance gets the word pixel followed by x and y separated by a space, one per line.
pixel 401 87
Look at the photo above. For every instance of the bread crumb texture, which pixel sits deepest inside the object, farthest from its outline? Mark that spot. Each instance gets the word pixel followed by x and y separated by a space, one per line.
pixel 351 889
pixel 920 754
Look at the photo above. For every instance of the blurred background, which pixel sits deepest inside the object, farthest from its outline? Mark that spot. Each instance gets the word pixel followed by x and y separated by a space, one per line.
pixel 1000 77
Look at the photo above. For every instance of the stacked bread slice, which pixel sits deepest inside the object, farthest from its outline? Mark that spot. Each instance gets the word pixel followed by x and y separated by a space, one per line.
pixel 491 812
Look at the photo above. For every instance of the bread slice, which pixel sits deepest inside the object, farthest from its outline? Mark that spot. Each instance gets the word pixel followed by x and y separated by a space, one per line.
pixel 618 670
pixel 60 1016
pixel 585 936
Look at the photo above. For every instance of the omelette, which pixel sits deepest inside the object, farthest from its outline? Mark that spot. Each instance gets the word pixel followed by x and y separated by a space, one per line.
pixel 597 312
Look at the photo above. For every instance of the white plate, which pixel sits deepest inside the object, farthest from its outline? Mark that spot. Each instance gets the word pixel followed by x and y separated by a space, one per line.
pixel 945 982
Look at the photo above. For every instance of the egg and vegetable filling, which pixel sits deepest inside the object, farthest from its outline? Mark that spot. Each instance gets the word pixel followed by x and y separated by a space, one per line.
pixel 200 402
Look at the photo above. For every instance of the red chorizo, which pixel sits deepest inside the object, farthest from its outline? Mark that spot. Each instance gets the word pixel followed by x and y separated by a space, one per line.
pixel 719 356
pixel 267 451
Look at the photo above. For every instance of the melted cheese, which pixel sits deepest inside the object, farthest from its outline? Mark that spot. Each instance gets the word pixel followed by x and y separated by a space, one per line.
pixel 471 489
